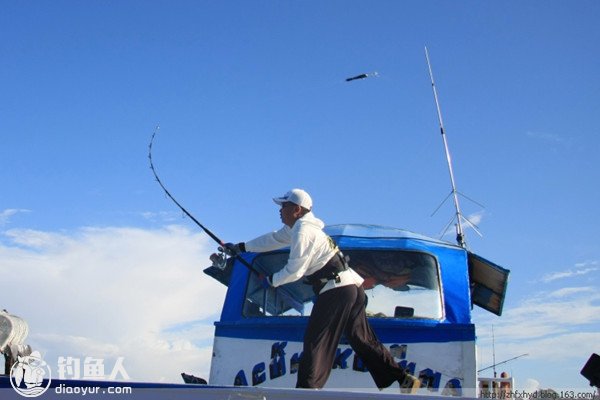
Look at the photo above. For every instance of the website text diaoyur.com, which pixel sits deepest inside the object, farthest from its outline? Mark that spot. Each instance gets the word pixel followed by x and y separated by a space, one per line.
pixel 85 390
pixel 524 395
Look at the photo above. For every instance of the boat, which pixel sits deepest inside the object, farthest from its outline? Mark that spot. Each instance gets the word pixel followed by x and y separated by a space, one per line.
pixel 420 292
pixel 420 296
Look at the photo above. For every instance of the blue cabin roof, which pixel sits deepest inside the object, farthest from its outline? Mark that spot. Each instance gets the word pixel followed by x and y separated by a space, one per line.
pixel 362 235
pixel 459 287
pixel 377 231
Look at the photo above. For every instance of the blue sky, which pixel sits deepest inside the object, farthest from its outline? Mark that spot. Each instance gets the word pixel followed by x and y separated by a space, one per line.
pixel 251 100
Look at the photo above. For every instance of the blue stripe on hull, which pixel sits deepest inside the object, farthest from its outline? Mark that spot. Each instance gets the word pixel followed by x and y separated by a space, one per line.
pixel 387 331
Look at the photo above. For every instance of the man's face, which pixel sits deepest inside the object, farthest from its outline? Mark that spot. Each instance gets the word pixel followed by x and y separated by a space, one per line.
pixel 289 213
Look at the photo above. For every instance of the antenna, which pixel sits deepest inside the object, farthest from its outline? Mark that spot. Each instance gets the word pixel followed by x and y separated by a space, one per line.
pixel 502 362
pixel 494 351
pixel 460 235
pixel 494 356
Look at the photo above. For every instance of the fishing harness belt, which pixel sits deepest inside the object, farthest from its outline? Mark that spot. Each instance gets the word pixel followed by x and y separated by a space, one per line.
pixel 330 271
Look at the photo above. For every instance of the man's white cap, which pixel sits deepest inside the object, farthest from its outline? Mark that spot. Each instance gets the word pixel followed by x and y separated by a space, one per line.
pixel 296 196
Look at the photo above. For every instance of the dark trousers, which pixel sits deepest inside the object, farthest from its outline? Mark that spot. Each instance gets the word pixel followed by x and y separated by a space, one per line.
pixel 337 311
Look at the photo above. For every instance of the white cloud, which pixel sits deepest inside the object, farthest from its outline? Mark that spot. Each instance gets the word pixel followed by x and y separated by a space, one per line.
pixel 547 137
pixel 569 291
pixel 547 314
pixel 475 219
pixel 580 269
pixel 531 385
pixel 115 292
pixel 554 328
pixel 6 214
pixel 162 216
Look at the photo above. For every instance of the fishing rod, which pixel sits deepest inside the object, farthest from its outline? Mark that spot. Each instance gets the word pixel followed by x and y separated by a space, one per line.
pixel 186 212
pixel 220 259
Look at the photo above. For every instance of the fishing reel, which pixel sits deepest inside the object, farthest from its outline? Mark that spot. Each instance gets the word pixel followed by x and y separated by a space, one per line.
pixel 219 260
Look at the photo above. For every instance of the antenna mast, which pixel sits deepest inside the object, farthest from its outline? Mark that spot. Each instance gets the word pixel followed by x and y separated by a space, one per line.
pixel 460 236
pixel 494 350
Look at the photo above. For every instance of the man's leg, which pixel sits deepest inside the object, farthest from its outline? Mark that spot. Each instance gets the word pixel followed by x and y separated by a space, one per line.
pixel 374 354
pixel 325 326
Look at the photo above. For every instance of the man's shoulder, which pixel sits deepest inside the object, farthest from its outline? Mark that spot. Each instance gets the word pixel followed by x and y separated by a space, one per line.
pixel 307 228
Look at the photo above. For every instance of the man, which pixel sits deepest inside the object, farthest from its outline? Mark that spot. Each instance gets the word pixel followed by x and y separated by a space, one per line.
pixel 340 304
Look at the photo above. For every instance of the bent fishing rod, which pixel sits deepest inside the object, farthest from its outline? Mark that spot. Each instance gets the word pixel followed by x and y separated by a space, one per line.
pixel 186 212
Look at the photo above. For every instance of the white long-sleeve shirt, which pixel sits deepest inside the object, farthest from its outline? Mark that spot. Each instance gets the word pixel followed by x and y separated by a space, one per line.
pixel 310 250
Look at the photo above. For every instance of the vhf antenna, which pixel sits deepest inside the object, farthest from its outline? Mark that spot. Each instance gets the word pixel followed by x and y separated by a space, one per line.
pixel 460 235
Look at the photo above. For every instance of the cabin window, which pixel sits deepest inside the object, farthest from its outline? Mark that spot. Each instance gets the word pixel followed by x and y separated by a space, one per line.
pixel 292 299
pixel 398 284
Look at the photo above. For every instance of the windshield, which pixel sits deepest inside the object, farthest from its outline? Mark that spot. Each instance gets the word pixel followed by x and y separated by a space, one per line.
pixel 398 284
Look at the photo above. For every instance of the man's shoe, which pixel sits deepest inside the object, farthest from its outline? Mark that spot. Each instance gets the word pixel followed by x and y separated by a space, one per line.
pixel 409 384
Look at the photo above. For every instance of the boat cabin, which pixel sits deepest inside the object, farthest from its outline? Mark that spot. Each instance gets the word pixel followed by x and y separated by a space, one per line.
pixel 420 296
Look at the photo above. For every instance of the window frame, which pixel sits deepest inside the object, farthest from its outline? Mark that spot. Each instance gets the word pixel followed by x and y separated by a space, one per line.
pixel 256 264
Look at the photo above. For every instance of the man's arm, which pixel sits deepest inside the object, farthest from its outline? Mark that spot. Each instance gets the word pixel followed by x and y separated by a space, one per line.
pixel 297 264
pixel 270 241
